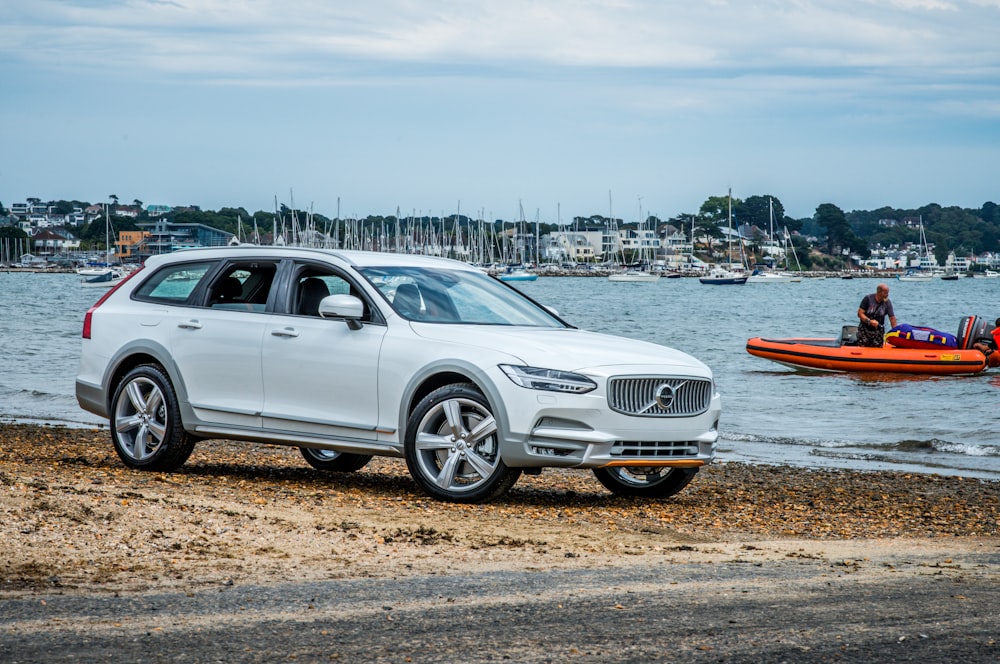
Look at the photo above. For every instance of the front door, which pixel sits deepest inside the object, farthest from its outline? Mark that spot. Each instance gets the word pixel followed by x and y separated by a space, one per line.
pixel 320 376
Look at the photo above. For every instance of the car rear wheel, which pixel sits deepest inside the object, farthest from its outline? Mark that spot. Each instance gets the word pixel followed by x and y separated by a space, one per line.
pixel 332 460
pixel 647 482
pixel 146 422
pixel 452 447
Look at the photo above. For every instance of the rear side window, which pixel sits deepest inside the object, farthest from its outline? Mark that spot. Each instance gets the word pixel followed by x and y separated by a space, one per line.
pixel 173 284
pixel 243 286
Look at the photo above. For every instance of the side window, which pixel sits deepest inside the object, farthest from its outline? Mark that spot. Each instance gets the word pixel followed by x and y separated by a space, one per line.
pixel 243 287
pixel 173 284
pixel 313 285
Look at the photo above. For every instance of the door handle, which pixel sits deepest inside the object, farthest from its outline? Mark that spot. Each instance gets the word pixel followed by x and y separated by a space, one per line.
pixel 285 332
pixel 190 325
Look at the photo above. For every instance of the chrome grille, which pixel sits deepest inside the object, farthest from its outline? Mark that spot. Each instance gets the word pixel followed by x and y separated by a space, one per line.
pixel 654 449
pixel 659 396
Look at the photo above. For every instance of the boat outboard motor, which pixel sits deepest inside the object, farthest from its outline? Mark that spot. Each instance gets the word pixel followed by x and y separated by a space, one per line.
pixel 969 330
pixel 849 335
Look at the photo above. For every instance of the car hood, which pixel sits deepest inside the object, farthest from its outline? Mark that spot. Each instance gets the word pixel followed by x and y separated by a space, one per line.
pixel 566 349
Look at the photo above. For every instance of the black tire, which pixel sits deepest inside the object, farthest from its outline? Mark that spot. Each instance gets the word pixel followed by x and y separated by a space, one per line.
pixel 331 460
pixel 452 447
pixel 645 482
pixel 146 426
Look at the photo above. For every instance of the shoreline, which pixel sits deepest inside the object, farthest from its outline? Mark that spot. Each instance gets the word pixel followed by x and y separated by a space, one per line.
pixel 594 272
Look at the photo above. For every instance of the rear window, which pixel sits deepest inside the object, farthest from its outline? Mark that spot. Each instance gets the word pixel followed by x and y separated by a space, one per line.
pixel 173 284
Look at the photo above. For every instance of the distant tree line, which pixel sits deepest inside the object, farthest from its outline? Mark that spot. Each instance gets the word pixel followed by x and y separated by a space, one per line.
pixel 964 231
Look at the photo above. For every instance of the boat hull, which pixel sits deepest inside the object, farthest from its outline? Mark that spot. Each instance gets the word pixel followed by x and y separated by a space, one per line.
pixel 105 280
pixel 635 277
pixel 772 278
pixel 723 281
pixel 829 355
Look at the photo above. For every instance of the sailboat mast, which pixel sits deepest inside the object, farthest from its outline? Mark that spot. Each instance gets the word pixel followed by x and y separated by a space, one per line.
pixel 729 243
pixel 538 212
pixel 107 235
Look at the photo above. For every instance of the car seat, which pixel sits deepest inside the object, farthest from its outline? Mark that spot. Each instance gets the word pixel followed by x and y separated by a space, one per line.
pixel 311 293
pixel 230 290
pixel 407 301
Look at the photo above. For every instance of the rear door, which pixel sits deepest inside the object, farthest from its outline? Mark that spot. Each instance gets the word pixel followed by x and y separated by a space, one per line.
pixel 217 344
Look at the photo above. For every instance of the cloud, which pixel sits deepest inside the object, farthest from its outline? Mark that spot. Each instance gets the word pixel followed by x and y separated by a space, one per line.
pixel 246 38
pixel 589 91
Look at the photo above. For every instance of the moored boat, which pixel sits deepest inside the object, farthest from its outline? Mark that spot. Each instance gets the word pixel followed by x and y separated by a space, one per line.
pixel 916 275
pixel 513 274
pixel 723 278
pixel 93 269
pixel 637 276
pixel 106 279
pixel 769 277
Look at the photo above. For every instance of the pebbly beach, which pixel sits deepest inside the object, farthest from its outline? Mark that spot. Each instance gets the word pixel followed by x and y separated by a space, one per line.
pixel 73 512
pixel 248 554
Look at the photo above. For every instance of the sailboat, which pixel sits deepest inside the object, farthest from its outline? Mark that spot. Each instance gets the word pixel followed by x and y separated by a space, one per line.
pixel 790 248
pixel 640 274
pixel 104 277
pixel 919 274
pixel 518 272
pixel 719 276
pixel 768 276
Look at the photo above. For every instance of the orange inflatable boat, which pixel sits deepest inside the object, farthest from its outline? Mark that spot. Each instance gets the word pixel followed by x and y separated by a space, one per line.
pixel 842 355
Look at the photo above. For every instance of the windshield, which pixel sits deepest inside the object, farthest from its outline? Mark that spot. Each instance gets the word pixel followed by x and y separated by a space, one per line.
pixel 455 296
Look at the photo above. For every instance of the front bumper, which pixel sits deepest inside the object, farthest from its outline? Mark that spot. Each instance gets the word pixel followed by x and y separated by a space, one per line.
pixel 567 435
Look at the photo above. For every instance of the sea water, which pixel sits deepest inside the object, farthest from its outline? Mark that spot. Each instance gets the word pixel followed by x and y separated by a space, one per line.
pixel 771 414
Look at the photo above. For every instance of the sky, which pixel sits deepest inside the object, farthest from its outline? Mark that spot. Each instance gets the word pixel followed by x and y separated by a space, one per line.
pixel 544 109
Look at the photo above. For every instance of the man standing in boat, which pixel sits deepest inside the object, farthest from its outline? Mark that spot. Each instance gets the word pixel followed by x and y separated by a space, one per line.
pixel 871 315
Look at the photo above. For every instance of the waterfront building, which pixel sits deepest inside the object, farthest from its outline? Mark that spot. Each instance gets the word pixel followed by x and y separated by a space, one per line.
pixel 164 237
pixel 127 244
pixel 575 246
pixel 49 242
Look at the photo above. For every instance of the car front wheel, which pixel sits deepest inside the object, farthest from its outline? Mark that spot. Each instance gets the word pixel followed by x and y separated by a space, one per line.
pixel 338 462
pixel 648 482
pixel 452 447
pixel 146 422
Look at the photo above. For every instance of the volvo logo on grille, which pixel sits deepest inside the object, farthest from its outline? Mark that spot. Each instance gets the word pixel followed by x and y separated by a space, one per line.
pixel 665 396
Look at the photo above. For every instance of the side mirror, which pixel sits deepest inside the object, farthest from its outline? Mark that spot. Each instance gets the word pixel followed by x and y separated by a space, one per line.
pixel 347 308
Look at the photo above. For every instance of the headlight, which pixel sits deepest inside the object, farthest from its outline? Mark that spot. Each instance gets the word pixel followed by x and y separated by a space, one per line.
pixel 551 380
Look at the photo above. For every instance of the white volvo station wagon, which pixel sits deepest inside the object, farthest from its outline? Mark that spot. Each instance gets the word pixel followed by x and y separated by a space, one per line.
pixel 347 355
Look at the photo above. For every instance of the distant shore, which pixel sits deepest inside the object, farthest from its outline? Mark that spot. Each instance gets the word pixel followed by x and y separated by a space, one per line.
pixel 561 272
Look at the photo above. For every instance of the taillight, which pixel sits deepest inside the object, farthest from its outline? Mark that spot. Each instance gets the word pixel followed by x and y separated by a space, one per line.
pixel 90 312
